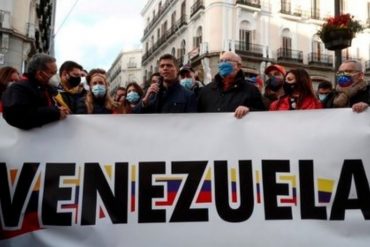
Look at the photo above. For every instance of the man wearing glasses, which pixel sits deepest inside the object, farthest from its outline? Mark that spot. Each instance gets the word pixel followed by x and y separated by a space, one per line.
pixel 29 103
pixel 229 92
pixel 352 89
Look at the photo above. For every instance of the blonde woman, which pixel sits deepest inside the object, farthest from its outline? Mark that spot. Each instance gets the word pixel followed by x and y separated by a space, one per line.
pixel 97 100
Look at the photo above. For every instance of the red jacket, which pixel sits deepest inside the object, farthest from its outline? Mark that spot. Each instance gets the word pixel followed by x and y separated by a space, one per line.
pixel 284 104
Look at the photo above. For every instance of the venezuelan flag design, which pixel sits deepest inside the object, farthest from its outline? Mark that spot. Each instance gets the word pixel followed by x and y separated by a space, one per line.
pixel 173 185
pixel 234 196
pixel 205 194
pixel 293 181
pixel 325 187
pixel 133 188
pixel 258 187
pixel 74 183
pixel 30 220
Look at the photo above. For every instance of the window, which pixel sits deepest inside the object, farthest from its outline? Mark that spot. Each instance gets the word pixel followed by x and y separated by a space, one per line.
pixel 286 7
pixel 197 40
pixel 287 43
pixel 245 36
pixel 315 11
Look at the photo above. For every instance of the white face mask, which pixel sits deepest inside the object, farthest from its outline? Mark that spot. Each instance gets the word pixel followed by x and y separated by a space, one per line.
pixel 99 90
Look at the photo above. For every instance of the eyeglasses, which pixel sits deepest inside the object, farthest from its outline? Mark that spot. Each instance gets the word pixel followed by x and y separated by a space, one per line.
pixel 347 72
pixel 225 60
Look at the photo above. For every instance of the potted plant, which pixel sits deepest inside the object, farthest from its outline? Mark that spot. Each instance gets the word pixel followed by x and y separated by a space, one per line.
pixel 337 32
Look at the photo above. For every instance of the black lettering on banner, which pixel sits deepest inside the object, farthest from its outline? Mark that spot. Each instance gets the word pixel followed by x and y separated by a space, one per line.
pixel 271 189
pixel 307 192
pixel 147 191
pixel 222 198
pixel 12 208
pixel 116 203
pixel 342 201
pixel 182 211
pixel 53 193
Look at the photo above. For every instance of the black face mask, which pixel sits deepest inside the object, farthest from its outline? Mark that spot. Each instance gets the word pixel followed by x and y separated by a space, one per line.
pixel 289 88
pixel 274 83
pixel 74 81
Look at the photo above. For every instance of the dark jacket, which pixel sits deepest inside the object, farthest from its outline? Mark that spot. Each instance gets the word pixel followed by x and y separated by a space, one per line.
pixel 213 98
pixel 70 98
pixel 26 105
pixel 175 99
pixel 99 107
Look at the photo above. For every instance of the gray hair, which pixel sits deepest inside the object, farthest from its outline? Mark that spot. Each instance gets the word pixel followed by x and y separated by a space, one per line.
pixel 39 62
pixel 358 65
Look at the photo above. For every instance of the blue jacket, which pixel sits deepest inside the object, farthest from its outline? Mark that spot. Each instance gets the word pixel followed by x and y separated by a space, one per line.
pixel 175 99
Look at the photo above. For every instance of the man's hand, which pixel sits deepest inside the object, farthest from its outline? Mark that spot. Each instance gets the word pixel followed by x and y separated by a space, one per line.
pixel 360 107
pixel 63 112
pixel 153 89
pixel 241 111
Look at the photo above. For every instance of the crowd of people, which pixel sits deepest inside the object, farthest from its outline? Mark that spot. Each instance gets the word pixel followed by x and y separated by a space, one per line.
pixel 31 100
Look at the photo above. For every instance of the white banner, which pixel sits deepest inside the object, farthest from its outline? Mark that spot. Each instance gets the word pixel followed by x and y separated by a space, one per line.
pixel 271 179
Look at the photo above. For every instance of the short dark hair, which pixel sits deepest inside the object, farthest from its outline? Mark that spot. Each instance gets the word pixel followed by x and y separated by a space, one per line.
pixel 154 74
pixel 121 88
pixel 39 62
pixel 169 57
pixel 69 66
pixel 325 85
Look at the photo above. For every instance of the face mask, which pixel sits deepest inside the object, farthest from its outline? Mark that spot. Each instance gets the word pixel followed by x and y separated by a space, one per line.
pixel 187 83
pixel 133 97
pixel 99 90
pixel 289 88
pixel 344 80
pixel 74 81
pixel 322 97
pixel 225 69
pixel 275 83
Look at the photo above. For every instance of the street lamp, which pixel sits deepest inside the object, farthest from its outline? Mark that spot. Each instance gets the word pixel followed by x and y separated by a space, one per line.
pixel 338 53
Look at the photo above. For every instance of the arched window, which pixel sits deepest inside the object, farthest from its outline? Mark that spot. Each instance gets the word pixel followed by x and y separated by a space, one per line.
pixel 287 42
pixel 173 51
pixel 245 35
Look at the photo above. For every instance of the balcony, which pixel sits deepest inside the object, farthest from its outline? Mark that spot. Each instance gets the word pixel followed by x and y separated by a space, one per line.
pixel 160 12
pixel 251 3
pixel 320 59
pixel 249 49
pixel 165 36
pixel 289 55
pixel 198 5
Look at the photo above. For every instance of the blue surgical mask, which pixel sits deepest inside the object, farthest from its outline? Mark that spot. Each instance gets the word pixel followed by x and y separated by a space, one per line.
pixel 225 69
pixel 322 97
pixel 344 80
pixel 133 97
pixel 99 90
pixel 187 83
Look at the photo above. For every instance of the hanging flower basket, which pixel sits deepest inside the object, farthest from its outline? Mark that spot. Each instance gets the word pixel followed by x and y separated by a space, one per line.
pixel 338 39
pixel 337 32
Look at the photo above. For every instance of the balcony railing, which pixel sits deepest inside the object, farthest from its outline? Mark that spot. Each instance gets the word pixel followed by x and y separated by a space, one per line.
pixel 320 59
pixel 367 65
pixel 165 36
pixel 160 12
pixel 290 55
pixel 249 49
pixel 252 3
pixel 198 5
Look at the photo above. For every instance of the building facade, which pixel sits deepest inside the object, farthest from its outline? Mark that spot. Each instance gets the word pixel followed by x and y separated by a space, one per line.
pixel 125 69
pixel 26 27
pixel 260 31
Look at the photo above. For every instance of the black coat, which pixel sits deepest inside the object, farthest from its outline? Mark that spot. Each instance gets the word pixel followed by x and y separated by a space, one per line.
pixel 99 106
pixel 213 98
pixel 27 104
